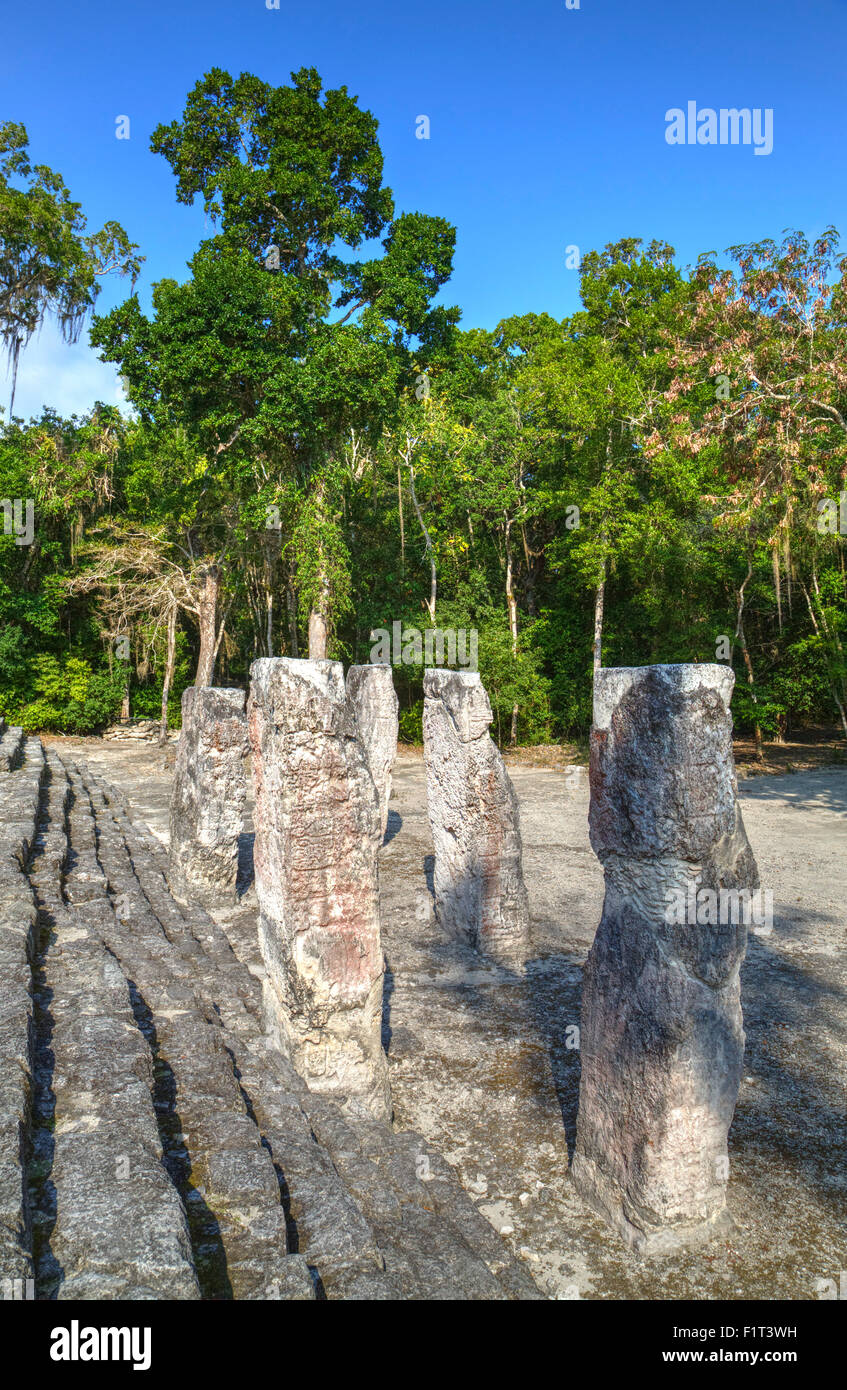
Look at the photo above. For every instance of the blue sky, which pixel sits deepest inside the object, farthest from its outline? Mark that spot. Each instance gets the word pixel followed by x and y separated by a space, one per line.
pixel 547 128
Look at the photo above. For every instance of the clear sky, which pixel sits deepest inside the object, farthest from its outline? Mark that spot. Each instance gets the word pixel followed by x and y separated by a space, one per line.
pixel 547 128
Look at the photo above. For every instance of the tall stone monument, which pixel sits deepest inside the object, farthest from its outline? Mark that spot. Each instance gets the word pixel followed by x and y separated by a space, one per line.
pixel 480 895
pixel 662 1042
pixel 318 831
pixel 209 791
pixel 370 690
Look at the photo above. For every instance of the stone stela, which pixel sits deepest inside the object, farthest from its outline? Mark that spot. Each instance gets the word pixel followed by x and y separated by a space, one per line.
pixel 318 822
pixel 370 691
pixel 480 897
pixel 661 1036
pixel 209 791
pixel 662 1041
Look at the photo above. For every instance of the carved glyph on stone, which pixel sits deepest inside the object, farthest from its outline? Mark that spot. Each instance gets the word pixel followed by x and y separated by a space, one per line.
pixel 318 831
pixel 662 1041
pixel 370 690
pixel 209 791
pixel 480 895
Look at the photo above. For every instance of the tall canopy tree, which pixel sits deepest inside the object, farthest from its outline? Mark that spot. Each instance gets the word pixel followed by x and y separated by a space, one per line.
pixel 48 262
pixel 760 366
pixel 280 344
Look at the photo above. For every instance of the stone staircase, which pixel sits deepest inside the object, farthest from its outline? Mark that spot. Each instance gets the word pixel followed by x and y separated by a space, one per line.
pixel 153 1144
pixel 21 775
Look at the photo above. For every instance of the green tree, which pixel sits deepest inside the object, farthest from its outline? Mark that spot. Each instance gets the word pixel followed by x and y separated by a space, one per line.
pixel 759 371
pixel 279 346
pixel 48 262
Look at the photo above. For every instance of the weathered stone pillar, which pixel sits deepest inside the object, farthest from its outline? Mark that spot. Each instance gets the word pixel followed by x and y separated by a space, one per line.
pixel 662 1042
pixel 480 895
pixel 370 689
pixel 209 791
pixel 317 821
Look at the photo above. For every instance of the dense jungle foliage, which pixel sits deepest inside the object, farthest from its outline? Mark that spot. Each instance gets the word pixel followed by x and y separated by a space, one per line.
pixel 317 449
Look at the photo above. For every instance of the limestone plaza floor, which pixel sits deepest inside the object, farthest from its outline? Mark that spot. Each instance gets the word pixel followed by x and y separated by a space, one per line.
pixel 483 1061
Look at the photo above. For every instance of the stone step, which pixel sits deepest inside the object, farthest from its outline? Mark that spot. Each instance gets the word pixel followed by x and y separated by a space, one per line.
pixel 11 746
pixel 19 789
pixel 337 1231
pixel 347 1179
pixel 109 1223
pixel 335 1192
pixel 214 1150
pixel 425 1224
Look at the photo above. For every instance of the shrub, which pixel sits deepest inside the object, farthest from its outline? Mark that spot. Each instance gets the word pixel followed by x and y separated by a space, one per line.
pixel 70 697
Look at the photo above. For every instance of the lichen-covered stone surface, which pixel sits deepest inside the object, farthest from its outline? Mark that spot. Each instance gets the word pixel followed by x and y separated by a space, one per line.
pixel 318 830
pixel 209 790
pixel 371 692
pixel 662 1040
pixel 480 897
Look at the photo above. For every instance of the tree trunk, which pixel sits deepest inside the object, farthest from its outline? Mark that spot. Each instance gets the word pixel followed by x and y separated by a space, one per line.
pixel 433 577
pixel 402 523
pixel 272 550
pixel 220 636
pixel 512 605
pixel 599 604
pixel 742 642
pixel 210 589
pixel 600 591
pixel 529 585
pixel 169 674
pixel 319 614
pixel 318 635
pixel 291 605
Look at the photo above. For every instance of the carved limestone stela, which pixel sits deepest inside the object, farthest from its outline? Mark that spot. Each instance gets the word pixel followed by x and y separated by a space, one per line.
pixel 480 895
pixel 662 1041
pixel 318 831
pixel 370 690
pixel 209 791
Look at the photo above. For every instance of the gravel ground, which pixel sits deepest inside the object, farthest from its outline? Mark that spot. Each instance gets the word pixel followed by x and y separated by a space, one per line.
pixel 485 1063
